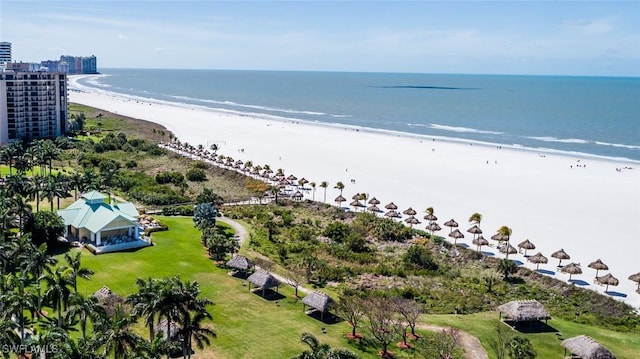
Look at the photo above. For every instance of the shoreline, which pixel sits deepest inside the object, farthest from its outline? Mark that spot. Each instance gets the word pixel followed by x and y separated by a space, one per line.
pixel 74 84
pixel 592 211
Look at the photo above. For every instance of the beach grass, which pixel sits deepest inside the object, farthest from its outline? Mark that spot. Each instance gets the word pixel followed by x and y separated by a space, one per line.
pixel 249 326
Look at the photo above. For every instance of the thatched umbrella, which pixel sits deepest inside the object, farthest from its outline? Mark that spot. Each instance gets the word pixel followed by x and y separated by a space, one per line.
pixel 499 237
pixel 392 214
pixel 412 220
pixel 598 265
pixel 433 227
pixel 608 279
pixel 240 262
pixel 526 245
pixel 475 230
pixel 410 212
pixel 586 348
pixel 451 224
pixel 430 217
pixel 391 206
pixel 455 235
pixel 560 255
pixel 480 241
pixel 357 197
pixel 303 181
pixel 297 196
pixel 373 208
pixel 292 178
pixel 537 259
pixel 508 249
pixel 355 203
pixel 318 301
pixel 339 200
pixel 571 269
pixel 374 201
pixel 635 278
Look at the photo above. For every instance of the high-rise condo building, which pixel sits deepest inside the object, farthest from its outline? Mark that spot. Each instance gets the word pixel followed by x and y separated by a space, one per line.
pixel 32 105
pixel 5 53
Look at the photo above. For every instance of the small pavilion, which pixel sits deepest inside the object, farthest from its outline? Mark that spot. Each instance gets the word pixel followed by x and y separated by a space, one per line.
pixel 318 301
pixel 523 311
pixel 584 347
pixel 240 263
pixel 95 219
pixel 263 280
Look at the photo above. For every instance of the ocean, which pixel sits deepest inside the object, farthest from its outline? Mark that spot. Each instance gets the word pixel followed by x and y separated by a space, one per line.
pixel 594 116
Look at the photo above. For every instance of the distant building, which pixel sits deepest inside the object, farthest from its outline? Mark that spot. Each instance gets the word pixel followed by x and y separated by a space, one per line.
pixel 78 65
pixel 5 52
pixel 32 105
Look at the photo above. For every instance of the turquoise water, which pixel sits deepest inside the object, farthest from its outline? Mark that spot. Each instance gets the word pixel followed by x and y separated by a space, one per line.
pixel 589 115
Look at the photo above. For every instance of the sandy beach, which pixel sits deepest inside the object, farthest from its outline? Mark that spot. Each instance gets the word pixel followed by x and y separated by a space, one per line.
pixel 590 207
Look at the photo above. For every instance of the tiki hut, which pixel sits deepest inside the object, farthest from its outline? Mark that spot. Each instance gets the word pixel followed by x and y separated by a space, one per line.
pixel 474 230
pixel 433 227
pixel 410 211
pixel 240 263
pixel 108 299
pixel 598 265
pixel 584 347
pixel 480 241
pixel 297 196
pixel 263 280
pixel 560 255
pixel 391 206
pixel 373 208
pixel 607 280
pixel 430 217
pixel 451 224
pixel 339 200
pixel 318 302
pixel 411 220
pixel 508 249
pixel 526 245
pixel 374 201
pixel 523 311
pixel 635 278
pixel 537 259
pixel 356 204
pixel 455 235
pixel 571 269
pixel 392 214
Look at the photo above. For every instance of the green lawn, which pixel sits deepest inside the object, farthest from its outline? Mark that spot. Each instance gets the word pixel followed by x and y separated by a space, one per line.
pixel 249 326
pixel 547 345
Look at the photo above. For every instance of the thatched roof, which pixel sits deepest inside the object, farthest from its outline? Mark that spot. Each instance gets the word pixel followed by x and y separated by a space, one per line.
pixel 263 279
pixel 319 301
pixel 524 310
pixel 108 299
pixel 598 264
pixel 240 262
pixel 587 348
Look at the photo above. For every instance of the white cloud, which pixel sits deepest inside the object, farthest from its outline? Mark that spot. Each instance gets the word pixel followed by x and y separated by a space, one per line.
pixel 591 27
pixel 122 37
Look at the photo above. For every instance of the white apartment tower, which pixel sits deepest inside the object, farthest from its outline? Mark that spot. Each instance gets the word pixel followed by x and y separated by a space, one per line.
pixel 5 53
pixel 32 105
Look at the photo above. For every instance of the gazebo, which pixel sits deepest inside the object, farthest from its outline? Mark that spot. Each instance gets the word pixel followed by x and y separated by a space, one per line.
pixel 318 301
pixel 519 311
pixel 263 280
pixel 584 347
pixel 240 263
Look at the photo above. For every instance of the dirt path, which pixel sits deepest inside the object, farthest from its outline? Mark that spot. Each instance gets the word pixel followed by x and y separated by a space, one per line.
pixel 470 344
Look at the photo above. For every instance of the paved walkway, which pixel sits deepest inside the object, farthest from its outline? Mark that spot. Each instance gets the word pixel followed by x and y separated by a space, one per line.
pixel 470 344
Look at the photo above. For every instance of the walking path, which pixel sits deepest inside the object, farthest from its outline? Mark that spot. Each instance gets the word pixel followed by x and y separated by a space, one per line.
pixel 470 344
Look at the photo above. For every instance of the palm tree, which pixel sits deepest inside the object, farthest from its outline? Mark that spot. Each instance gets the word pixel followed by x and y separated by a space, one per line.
pixel 23 209
pixel 339 186
pixel 321 351
pixel 16 301
pixel 145 303
pixel 193 330
pixel 475 218
pixel 37 186
pixel 115 335
pixel 84 308
pixel 76 182
pixel 50 190
pixel 58 282
pixel 35 262
pixel 76 270
pixel 324 184
pixel 505 231
pixel 313 188
pixel 48 336
pixel 8 334
pixel 62 187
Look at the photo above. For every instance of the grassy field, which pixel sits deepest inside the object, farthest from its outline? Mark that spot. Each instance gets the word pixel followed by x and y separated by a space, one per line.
pixel 249 326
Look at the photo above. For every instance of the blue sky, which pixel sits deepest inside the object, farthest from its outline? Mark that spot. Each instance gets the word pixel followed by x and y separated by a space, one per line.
pixel 508 37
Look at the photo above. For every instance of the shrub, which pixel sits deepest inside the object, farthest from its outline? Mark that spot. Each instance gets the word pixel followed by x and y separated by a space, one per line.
pixel 196 175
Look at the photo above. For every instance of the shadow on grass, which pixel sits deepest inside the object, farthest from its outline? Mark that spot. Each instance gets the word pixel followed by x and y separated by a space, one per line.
pixel 268 294
pixel 326 318
pixel 531 327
